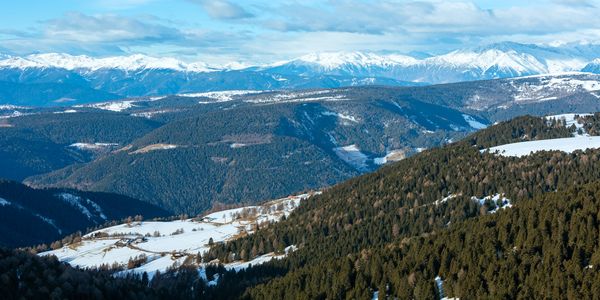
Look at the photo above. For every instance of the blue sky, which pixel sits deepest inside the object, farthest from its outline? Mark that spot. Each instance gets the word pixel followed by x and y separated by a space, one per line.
pixel 219 31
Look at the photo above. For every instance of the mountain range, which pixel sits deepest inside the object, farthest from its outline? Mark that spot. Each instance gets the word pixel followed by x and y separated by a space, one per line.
pixel 227 148
pixel 54 79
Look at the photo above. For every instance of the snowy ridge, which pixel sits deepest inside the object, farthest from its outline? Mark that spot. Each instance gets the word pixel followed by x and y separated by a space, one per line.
pixel 170 244
pixel 334 60
pixel 134 62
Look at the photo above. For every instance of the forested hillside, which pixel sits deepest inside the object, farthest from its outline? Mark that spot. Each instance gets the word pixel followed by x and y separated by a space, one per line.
pixel 29 216
pixel 355 226
pixel 454 220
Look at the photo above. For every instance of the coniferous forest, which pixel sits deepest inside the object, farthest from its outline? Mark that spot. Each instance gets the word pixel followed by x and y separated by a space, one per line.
pixel 411 230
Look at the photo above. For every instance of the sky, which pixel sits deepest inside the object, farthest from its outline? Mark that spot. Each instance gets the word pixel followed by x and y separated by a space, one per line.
pixel 261 31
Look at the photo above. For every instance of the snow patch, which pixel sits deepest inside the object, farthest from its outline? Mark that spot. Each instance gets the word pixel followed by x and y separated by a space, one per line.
pixel 75 201
pixel 473 123
pixel 391 156
pixel 500 202
pixel 116 106
pixel 568 145
pixel 220 96
pixel 4 202
pixel 154 147
pixel 340 116
pixel 93 146
pixel 352 155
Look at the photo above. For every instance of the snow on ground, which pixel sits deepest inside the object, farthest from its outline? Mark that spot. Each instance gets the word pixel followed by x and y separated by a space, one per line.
pixel 154 147
pixel 570 120
pixel 306 96
pixel 75 201
pixel 150 114
pixel 391 156
pixel 473 123
pixel 220 96
pixel 68 111
pixel 92 146
pixel 11 107
pixel 550 85
pixel 445 199
pixel 352 155
pixel 340 116
pixel 165 244
pixel 563 144
pixel 375 295
pixel 117 106
pixel 500 201
pixel 4 202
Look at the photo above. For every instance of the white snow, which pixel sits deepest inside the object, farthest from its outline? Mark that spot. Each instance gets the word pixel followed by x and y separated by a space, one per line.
pixel 155 147
pixel 352 155
pixel 220 96
pixel 134 62
pixel 305 96
pixel 499 200
pixel 391 156
pixel 117 106
pixel 550 87
pixel 340 116
pixel 474 123
pixel 568 145
pixel 75 201
pixel 570 120
pixel 4 202
pixel 445 199
pixel 92 146
pixel 169 243
pixel 49 221
pixel 334 60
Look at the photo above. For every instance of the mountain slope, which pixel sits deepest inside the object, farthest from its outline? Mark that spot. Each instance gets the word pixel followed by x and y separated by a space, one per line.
pixel 35 142
pixel 31 216
pixel 476 223
pixel 52 78
pixel 263 151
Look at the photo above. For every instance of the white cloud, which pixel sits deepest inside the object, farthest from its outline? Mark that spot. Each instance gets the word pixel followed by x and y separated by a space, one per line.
pixel 223 9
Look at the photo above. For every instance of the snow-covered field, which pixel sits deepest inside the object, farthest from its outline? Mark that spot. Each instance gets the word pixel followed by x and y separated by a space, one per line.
pixel 93 146
pixel 563 144
pixel 352 155
pixel 116 106
pixel 220 96
pixel 173 243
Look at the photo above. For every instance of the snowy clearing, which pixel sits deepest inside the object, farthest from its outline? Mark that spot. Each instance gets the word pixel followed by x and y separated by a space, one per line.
pixel 93 146
pixel 499 202
pixel 473 123
pixel 568 145
pixel 219 96
pixel 166 244
pixel 340 116
pixel 154 147
pixel 116 106
pixel 391 156
pixel 352 155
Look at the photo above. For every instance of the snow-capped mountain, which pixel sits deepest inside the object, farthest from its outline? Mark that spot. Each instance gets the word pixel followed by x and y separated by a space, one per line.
pixel 129 63
pixel 593 67
pixel 84 79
